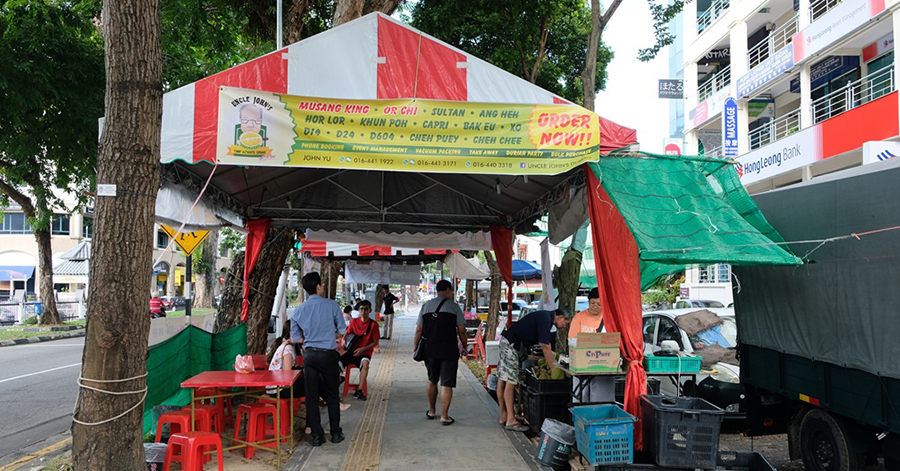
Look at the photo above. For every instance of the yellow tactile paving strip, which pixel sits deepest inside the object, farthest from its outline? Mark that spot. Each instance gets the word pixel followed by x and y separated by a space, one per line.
pixel 365 449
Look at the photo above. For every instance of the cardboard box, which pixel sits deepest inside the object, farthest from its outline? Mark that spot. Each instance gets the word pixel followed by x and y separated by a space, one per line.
pixel 596 352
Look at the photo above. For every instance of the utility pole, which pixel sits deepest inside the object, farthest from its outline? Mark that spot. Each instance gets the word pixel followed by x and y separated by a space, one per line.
pixel 188 291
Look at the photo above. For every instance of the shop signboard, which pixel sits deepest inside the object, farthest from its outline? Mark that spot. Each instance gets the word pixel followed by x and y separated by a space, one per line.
pixel 673 146
pixel 879 47
pixel 794 151
pixel 671 88
pixel 826 70
pixel 272 129
pixel 842 20
pixel 708 109
pixel 879 151
pixel 777 64
pixel 730 129
pixel 760 109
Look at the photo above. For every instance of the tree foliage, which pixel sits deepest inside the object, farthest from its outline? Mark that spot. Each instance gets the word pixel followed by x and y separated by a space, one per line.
pixel 52 82
pixel 542 41
pixel 662 15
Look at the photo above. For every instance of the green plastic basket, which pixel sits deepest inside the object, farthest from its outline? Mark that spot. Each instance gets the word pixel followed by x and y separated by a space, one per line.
pixel 679 364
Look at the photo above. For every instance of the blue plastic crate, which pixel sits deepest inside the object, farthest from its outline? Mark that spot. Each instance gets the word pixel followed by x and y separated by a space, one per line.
pixel 604 434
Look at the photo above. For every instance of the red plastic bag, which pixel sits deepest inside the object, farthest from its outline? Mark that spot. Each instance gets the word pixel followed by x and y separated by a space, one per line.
pixel 243 364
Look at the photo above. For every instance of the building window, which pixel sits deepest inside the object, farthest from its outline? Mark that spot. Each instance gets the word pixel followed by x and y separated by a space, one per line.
pixel 59 225
pixel 14 223
pixel 162 239
pixel 719 273
pixel 724 273
pixel 87 228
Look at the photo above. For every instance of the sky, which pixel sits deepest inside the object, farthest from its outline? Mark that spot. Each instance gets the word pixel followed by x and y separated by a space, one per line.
pixel 630 98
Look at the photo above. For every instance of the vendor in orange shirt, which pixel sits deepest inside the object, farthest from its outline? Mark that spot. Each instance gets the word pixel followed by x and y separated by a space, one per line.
pixel 602 389
pixel 589 320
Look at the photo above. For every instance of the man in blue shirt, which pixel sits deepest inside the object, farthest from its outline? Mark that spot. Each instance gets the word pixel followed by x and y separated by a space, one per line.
pixel 318 323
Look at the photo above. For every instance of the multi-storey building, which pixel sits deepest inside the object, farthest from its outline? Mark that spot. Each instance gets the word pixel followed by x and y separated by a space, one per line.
pixel 814 84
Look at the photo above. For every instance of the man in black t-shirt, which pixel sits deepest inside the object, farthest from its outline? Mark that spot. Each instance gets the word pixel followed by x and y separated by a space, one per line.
pixel 389 300
pixel 528 331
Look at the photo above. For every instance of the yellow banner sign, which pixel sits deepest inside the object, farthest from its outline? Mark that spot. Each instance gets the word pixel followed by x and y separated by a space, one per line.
pixel 186 241
pixel 270 129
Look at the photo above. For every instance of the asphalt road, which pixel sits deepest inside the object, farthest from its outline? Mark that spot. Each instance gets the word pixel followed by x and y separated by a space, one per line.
pixel 37 394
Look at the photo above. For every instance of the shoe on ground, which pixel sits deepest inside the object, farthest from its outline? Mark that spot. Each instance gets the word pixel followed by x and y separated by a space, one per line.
pixel 359 395
pixel 317 441
pixel 336 437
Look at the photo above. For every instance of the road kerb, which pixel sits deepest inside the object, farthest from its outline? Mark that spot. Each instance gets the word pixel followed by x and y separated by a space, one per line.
pixel 38 454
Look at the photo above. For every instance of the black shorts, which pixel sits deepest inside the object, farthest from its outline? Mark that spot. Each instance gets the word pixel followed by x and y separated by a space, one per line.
pixel 442 370
pixel 348 359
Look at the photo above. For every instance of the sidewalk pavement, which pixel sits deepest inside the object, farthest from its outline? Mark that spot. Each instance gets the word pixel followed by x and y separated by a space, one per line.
pixel 389 432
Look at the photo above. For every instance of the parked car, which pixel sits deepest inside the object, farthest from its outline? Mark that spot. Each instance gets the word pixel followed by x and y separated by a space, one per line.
pixel 721 384
pixel 698 303
pixel 581 303
pixel 518 305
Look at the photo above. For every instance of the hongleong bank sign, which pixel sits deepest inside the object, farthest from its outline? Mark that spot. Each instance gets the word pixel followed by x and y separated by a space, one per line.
pixel 792 152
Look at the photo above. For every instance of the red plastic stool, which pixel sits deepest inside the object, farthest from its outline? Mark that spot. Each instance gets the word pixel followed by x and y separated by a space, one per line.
pixel 285 415
pixel 350 387
pixel 192 446
pixel 257 418
pixel 176 419
pixel 222 403
pixel 487 373
pixel 208 414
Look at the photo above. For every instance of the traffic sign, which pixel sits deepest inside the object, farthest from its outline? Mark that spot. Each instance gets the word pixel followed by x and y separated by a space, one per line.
pixel 186 241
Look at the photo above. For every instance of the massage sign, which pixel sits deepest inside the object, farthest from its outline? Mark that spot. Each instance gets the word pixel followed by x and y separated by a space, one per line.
pixel 261 128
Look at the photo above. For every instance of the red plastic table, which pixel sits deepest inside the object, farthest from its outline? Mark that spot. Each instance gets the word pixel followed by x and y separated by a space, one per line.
pixel 256 381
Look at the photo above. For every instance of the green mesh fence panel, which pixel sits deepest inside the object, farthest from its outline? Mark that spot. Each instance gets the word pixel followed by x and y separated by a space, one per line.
pixel 684 210
pixel 188 353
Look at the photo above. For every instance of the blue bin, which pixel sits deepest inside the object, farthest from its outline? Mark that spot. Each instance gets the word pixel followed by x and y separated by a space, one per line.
pixel 604 434
pixel 38 308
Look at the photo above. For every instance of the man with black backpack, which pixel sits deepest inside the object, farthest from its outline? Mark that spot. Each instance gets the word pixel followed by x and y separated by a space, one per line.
pixel 442 328
pixel 359 343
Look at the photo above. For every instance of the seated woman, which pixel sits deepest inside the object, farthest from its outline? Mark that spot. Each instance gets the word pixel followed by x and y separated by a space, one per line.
pixel 285 358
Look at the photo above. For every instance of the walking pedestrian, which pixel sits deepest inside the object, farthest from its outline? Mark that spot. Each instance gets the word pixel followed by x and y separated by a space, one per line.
pixel 318 323
pixel 443 327
pixel 389 300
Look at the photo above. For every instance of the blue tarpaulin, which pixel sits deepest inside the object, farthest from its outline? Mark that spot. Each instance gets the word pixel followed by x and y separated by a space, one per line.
pixel 15 273
pixel 525 270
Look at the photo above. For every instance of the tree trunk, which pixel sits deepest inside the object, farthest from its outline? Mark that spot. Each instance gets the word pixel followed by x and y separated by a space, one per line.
pixel 494 301
pixel 567 277
pixel 379 297
pixel 228 313
pixel 205 271
pixel 118 326
pixel 346 10
pixel 470 294
pixel 332 270
pixel 263 285
pixel 49 314
pixel 589 74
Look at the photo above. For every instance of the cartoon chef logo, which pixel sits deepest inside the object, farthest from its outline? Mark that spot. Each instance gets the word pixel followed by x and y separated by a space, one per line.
pixel 250 134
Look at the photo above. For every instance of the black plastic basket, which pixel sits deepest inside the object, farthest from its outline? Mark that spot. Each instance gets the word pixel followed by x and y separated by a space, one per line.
pixel 548 386
pixel 652 388
pixel 681 432
pixel 545 406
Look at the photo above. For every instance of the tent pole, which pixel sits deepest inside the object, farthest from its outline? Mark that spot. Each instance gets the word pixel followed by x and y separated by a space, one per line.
pixel 279 27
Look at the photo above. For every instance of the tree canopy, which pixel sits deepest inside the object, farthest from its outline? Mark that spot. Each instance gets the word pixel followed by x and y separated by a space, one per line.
pixel 542 41
pixel 52 84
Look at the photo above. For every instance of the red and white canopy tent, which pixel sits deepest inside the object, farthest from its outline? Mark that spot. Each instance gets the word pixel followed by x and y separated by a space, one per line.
pixel 377 57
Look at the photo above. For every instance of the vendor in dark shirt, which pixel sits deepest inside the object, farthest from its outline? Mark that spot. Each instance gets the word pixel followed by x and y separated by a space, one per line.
pixel 533 329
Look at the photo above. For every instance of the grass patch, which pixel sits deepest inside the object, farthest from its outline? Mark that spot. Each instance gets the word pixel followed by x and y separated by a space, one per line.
pixel 77 322
pixel 13 333
pixel 478 368
pixel 62 462
pixel 194 312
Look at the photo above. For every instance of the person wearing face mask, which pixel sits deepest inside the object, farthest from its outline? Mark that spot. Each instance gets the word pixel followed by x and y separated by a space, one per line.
pixel 601 388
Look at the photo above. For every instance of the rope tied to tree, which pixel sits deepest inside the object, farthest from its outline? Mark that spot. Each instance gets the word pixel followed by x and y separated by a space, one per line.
pixel 80 382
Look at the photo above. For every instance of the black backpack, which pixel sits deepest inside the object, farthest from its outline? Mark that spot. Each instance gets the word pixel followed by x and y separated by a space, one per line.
pixel 440 332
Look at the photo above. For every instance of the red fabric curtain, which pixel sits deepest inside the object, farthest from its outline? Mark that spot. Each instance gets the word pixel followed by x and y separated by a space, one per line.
pixel 256 235
pixel 619 281
pixel 502 243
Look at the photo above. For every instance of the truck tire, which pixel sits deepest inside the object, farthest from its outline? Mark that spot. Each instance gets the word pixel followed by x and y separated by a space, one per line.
pixel 824 444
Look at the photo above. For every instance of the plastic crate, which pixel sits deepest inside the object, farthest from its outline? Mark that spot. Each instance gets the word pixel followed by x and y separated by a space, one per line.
pixel 548 386
pixel 681 432
pixel 545 406
pixel 727 461
pixel 652 388
pixel 604 434
pixel 682 364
